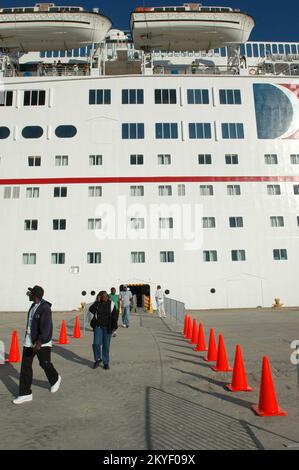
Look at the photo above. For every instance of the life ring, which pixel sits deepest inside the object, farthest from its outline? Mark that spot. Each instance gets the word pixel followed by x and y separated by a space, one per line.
pixel 252 72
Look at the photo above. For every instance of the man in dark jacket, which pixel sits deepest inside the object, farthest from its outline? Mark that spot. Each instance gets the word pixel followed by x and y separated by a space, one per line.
pixel 103 323
pixel 38 341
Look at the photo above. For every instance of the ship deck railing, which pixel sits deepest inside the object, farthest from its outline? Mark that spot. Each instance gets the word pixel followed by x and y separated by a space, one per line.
pixel 48 72
pixel 259 70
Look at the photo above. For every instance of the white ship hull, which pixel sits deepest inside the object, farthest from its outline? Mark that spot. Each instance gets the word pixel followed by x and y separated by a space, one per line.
pixel 189 30
pixel 51 31
pixel 257 280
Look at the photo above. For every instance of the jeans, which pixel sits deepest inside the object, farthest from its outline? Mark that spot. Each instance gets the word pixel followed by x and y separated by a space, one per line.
pixel 44 357
pixel 126 315
pixel 101 344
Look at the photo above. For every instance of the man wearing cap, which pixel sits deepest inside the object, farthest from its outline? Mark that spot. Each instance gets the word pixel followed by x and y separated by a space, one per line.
pixel 38 341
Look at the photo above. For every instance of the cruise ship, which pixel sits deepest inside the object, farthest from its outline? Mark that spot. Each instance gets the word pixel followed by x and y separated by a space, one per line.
pixel 167 154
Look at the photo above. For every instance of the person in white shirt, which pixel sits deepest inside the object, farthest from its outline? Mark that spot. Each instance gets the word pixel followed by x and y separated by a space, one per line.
pixel 125 296
pixel 159 297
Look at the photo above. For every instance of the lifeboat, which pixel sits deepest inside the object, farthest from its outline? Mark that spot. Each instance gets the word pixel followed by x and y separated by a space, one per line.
pixel 190 27
pixel 47 27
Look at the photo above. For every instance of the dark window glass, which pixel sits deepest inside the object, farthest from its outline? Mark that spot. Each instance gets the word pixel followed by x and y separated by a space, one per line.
pixel 32 132
pixel 65 132
pixel 4 132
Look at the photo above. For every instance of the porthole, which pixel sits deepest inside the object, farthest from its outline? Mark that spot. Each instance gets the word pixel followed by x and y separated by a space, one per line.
pixel 4 132
pixel 65 132
pixel 32 132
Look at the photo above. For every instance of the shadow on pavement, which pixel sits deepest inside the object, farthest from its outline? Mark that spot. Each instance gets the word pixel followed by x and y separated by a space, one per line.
pixel 174 423
pixel 71 356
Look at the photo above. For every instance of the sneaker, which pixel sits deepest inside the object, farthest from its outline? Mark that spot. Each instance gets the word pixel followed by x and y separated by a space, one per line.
pixel 124 326
pixel 128 326
pixel 114 334
pixel 106 366
pixel 22 399
pixel 56 386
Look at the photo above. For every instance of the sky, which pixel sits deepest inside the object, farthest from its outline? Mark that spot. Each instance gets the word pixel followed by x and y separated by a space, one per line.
pixel 274 21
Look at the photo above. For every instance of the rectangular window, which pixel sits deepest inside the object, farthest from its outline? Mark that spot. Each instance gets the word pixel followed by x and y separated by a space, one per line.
pixel 238 255
pixel 59 224
pixel 137 257
pixel 296 189
pixel 232 130
pixel 165 222
pixel 271 159
pixel 34 161
pixel 236 222
pixel 230 96
pixel 198 96
pixel 30 224
pixel 6 98
pixel 200 130
pixel 166 130
pixel 133 131
pixel 137 190
pixel 95 160
pixel 132 96
pixel 60 191
pixel 164 159
pixel 233 190
pixel 94 224
pixel 32 192
pixel 181 190
pixel 137 223
pixel 273 189
pixel 61 160
pixel 165 96
pixel 34 98
pixel 167 256
pixel 58 258
pixel 210 256
pixel 94 191
pixel 136 159
pixel 204 159
pixel 16 192
pixel 231 159
pixel 294 159
pixel 94 258
pixel 99 96
pixel 29 258
pixel 206 190
pixel 208 222
pixel 7 192
pixel 165 190
pixel 276 221
pixel 280 255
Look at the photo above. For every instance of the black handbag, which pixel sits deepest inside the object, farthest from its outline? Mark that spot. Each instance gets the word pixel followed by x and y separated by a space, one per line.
pixel 93 322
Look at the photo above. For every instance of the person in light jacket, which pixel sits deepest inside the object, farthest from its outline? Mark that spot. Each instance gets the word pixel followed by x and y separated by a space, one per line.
pixel 103 323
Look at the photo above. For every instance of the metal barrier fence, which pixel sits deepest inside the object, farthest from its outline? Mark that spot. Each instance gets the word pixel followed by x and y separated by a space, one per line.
pixel 175 309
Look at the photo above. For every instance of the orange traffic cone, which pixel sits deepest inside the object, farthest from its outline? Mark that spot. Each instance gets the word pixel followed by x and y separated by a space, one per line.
pixel 201 342
pixel 222 364
pixel 185 325
pixel 268 404
pixel 14 353
pixel 189 331
pixel 63 336
pixel 193 340
pixel 77 332
pixel 212 351
pixel 239 380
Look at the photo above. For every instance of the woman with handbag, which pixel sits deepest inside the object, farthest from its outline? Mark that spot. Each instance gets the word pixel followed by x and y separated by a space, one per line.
pixel 103 323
